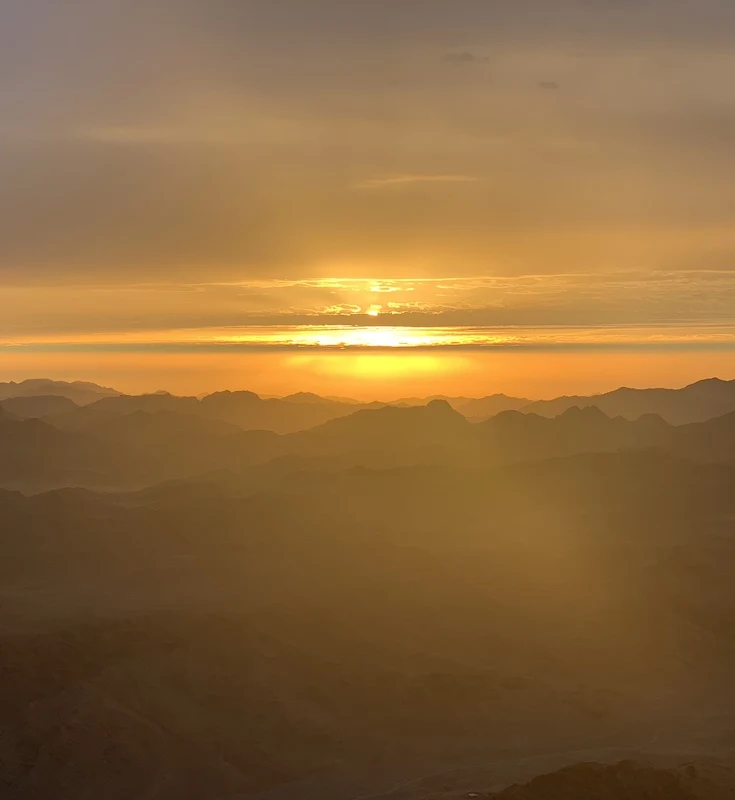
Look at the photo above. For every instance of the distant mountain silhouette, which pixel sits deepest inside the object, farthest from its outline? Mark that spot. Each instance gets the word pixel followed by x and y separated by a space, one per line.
pixel 250 412
pixel 244 409
pixel 388 434
pixel 37 455
pixel 38 406
pixel 713 440
pixel 484 407
pixel 133 441
pixel 473 408
pixel 454 402
pixel 694 403
pixel 80 392
pixel 515 436
pixel 134 449
pixel 697 402
pixel 6 415
pixel 310 397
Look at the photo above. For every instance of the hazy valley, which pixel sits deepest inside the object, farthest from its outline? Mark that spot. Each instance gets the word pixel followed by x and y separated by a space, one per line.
pixel 194 609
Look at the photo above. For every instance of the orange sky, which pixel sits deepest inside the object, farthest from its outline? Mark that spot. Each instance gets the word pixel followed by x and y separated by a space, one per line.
pixel 191 193
pixel 378 376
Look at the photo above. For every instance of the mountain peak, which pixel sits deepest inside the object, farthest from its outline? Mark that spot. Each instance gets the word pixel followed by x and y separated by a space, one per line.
pixel 241 394
pixel 440 407
pixel 584 412
pixel 307 397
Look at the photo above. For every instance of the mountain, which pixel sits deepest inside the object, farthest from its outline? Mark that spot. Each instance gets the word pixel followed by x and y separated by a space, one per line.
pixel 476 409
pixel 697 402
pixel 345 637
pixel 5 415
pixel 713 440
pixel 38 406
pixel 80 392
pixel 133 450
pixel 389 435
pixel 37 455
pixel 116 443
pixel 310 398
pixel 395 602
pixel 122 405
pixel 162 428
pixel 244 409
pixel 515 436
pixel 484 407
pixel 454 402
pixel 627 780
pixel 250 412
pixel 348 400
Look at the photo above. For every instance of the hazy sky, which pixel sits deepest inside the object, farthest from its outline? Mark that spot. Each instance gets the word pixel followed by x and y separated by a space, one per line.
pixel 540 190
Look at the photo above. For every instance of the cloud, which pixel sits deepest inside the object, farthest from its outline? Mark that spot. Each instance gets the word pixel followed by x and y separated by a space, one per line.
pixel 548 85
pixel 35 314
pixel 174 139
pixel 401 179
pixel 148 135
pixel 460 59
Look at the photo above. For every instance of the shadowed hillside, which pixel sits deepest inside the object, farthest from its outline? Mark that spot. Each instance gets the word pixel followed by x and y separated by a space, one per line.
pixel 627 781
pixel 320 627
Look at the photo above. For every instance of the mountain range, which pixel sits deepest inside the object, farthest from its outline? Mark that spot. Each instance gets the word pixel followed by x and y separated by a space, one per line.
pixel 338 634
pixel 79 392
pixel 696 402
pixel 135 441
pixel 394 602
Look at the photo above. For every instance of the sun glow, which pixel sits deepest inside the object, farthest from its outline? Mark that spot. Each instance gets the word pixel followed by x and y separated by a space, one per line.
pixel 382 366
pixel 338 337
pixel 366 337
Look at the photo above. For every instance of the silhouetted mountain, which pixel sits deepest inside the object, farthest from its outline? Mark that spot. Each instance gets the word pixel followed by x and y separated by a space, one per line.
pixel 244 409
pixel 5 415
pixel 389 435
pixel 485 407
pixel 37 455
pixel 80 392
pixel 116 443
pixel 713 440
pixel 349 400
pixel 37 406
pixel 627 780
pixel 515 436
pixel 136 449
pixel 250 412
pixel 310 398
pixel 122 405
pixel 454 402
pixel 694 403
pixel 162 427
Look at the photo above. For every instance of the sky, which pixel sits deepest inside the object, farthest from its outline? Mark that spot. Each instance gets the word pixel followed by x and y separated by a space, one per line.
pixel 374 197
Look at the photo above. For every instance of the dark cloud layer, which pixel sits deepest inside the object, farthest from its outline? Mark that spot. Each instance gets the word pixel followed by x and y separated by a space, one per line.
pixel 162 140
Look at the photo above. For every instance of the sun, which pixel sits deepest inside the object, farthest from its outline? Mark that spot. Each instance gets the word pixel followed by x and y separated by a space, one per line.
pixel 360 337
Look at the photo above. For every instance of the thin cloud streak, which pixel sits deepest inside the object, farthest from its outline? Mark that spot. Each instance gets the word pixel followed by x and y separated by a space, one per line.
pixel 367 339
pixel 403 179
pixel 532 302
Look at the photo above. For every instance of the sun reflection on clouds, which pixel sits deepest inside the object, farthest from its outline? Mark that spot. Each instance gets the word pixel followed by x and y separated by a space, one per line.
pixel 366 337
pixel 377 336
